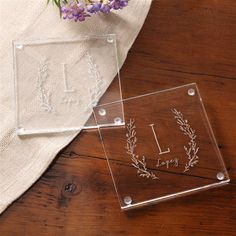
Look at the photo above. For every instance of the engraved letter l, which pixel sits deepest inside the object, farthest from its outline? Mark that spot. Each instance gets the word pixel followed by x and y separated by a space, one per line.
pixel 157 142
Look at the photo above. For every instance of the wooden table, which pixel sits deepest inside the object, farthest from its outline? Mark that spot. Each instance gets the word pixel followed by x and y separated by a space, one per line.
pixel 181 42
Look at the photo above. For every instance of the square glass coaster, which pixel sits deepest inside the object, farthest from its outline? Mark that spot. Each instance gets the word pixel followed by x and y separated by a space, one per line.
pixel 164 148
pixel 59 81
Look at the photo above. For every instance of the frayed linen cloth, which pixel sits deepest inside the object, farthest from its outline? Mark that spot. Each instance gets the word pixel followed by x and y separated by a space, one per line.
pixel 24 159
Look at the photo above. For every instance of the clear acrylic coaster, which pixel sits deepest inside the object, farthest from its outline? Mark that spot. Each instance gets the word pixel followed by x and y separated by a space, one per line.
pixel 164 148
pixel 59 81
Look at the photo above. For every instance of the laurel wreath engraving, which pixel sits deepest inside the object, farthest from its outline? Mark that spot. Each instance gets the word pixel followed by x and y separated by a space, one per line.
pixel 193 149
pixel 131 144
pixel 141 165
pixel 44 95
pixel 94 75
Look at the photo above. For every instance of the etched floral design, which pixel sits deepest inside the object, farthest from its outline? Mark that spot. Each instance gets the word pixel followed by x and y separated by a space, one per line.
pixel 131 144
pixel 44 94
pixel 98 83
pixel 192 149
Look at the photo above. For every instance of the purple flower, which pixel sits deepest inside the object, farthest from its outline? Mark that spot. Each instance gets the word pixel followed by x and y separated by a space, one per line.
pixel 105 8
pixel 94 8
pixel 79 10
pixel 66 13
pixel 74 10
pixel 118 4
pixel 81 17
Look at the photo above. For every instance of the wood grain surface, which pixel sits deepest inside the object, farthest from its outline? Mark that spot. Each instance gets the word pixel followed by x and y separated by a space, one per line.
pixel 181 42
